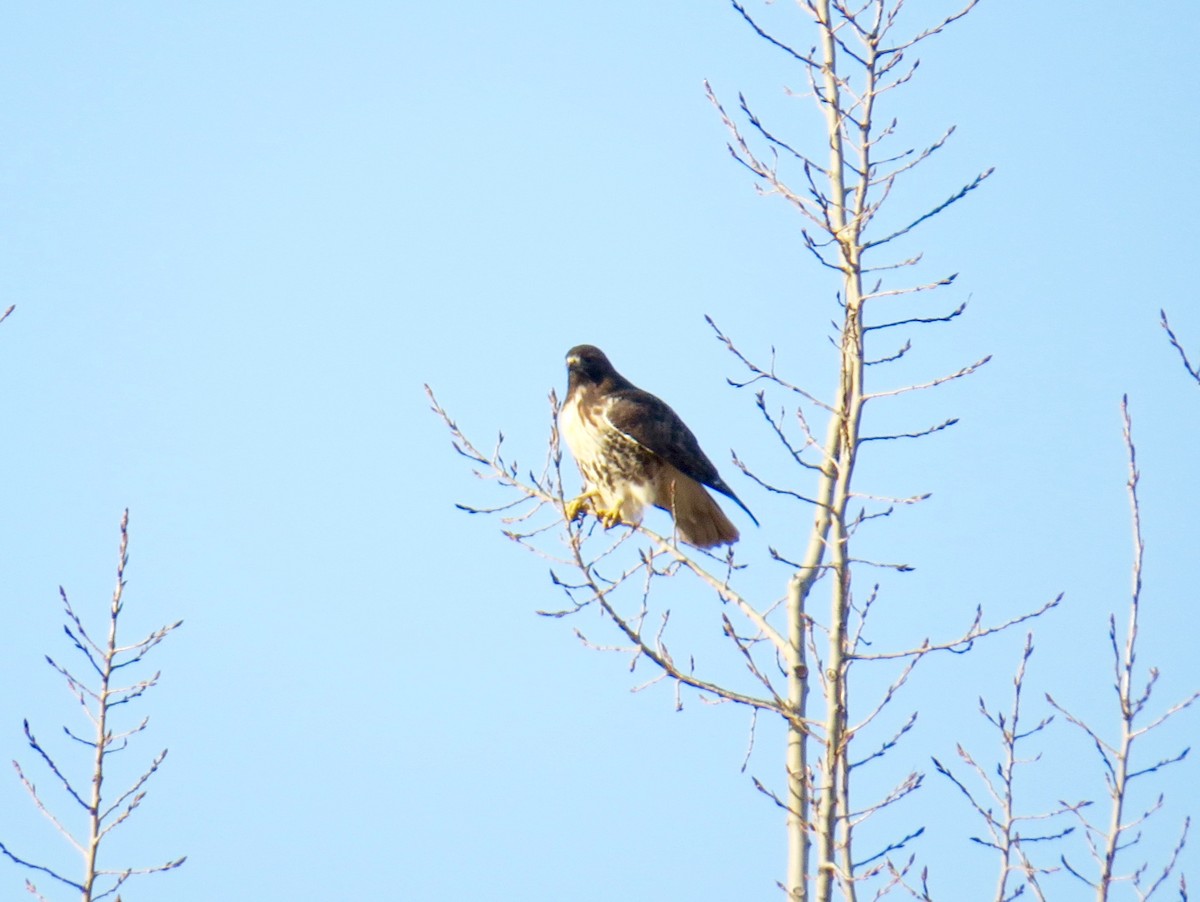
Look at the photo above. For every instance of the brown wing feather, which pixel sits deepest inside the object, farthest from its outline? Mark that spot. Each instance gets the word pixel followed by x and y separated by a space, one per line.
pixel 651 422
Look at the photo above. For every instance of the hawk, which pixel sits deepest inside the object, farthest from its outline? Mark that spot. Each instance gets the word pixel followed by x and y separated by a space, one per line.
pixel 633 450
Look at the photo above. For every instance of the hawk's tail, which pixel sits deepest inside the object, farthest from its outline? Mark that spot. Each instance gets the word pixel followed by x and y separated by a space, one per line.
pixel 698 519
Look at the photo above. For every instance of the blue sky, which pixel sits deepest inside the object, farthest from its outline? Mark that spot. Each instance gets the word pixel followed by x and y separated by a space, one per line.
pixel 241 236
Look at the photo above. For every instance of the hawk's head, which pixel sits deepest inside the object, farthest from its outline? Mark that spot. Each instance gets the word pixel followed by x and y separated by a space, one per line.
pixel 587 365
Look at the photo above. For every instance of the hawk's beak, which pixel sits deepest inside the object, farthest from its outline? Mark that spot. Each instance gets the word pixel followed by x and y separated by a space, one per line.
pixel 572 361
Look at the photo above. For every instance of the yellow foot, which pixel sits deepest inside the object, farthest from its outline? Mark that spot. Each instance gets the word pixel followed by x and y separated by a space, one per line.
pixel 588 501
pixel 608 519
pixel 580 504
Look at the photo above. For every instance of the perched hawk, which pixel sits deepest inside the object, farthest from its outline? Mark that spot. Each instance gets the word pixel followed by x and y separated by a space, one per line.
pixel 633 450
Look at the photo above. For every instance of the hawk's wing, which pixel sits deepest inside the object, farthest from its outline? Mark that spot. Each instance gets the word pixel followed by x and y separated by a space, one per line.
pixel 651 423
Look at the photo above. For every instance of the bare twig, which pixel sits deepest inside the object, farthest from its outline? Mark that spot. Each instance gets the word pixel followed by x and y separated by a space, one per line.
pixel 1192 371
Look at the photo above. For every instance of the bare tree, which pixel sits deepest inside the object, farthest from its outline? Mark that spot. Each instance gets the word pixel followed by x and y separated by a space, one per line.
pixel 795 663
pixel 100 694
pixel 857 62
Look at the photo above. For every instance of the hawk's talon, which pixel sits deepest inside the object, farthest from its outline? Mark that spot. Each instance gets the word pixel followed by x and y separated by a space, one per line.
pixel 608 519
pixel 580 505
pixel 588 501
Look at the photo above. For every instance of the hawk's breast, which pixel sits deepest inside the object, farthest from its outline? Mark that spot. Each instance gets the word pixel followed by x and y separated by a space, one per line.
pixel 619 469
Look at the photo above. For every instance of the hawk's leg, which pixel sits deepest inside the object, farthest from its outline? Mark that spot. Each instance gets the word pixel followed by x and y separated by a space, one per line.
pixel 581 504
